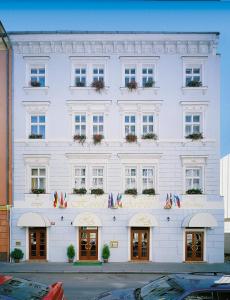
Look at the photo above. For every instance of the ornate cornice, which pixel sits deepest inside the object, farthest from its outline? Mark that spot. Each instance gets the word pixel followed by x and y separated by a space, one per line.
pixel 134 47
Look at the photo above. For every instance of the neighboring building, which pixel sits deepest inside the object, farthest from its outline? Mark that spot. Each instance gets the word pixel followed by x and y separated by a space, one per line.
pixel 225 191
pixel 177 94
pixel 5 145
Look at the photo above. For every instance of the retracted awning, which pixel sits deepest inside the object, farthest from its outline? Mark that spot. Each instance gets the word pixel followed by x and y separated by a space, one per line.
pixel 199 220
pixel 33 220
pixel 87 219
pixel 143 220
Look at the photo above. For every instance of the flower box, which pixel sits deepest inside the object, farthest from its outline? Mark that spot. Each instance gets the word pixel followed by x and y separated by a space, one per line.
pixel 35 83
pixel 38 191
pixel 35 136
pixel 149 192
pixel 97 191
pixel 131 85
pixel 194 192
pixel 98 85
pixel 194 83
pixel 81 191
pixel 149 136
pixel 195 136
pixel 80 138
pixel 131 192
pixel 97 138
pixel 149 84
pixel 131 138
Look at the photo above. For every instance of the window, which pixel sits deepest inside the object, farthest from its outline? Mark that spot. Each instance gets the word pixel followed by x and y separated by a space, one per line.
pixel 200 296
pixel 130 178
pixel 80 77
pixel 98 124
pixel 98 177
pixel 38 125
pixel 130 124
pixel 147 77
pixel 98 74
pixel 130 75
pixel 80 124
pixel 147 124
pixel 193 178
pixel 38 178
pixel 192 124
pixel 80 177
pixel 192 74
pixel 37 76
pixel 148 174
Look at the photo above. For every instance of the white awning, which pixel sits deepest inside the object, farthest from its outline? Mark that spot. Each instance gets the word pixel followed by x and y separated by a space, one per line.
pixel 200 220
pixel 143 220
pixel 33 220
pixel 87 219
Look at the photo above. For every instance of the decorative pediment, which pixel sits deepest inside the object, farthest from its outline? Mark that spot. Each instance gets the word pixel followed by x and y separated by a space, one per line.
pixel 36 106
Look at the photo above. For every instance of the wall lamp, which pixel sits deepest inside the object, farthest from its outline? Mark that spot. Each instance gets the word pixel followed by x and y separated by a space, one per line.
pixel 168 219
pixel 62 218
pixel 114 218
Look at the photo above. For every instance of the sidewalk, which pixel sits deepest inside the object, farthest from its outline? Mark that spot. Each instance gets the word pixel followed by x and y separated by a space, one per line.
pixel 113 268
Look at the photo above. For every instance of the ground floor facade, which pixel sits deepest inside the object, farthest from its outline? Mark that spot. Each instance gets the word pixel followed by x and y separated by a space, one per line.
pixel 156 235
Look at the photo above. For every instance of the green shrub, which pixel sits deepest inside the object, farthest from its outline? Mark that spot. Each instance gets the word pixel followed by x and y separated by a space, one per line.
pixel 70 252
pixel 149 192
pixel 149 136
pixel 38 191
pixel 194 191
pixel 105 252
pixel 81 191
pixel 97 191
pixel 131 192
pixel 16 254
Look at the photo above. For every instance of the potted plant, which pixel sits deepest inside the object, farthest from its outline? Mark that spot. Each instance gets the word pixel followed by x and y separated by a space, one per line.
pixel 81 191
pixel 105 253
pixel 79 84
pixel 97 191
pixel 132 85
pixel 194 192
pixel 131 138
pixel 70 253
pixel 98 85
pixel 131 192
pixel 35 136
pixel 195 136
pixel 97 138
pixel 16 255
pixel 149 192
pixel 35 83
pixel 38 191
pixel 80 138
pixel 149 136
pixel 149 83
pixel 194 83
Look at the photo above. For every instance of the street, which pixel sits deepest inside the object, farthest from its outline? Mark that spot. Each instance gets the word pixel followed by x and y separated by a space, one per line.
pixel 87 286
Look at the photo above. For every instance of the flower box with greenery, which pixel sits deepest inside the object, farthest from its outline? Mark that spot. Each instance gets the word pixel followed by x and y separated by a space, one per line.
pixel 131 192
pixel 98 85
pixel 195 136
pixel 131 138
pixel 97 191
pixel 80 84
pixel 149 136
pixel 17 255
pixel 149 84
pixel 105 253
pixel 194 192
pixel 70 253
pixel 132 85
pixel 38 191
pixel 149 192
pixel 33 136
pixel 97 138
pixel 35 83
pixel 80 138
pixel 81 191
pixel 194 83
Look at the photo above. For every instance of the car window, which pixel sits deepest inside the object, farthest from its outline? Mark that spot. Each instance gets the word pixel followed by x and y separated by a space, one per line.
pixel 200 296
pixel 223 295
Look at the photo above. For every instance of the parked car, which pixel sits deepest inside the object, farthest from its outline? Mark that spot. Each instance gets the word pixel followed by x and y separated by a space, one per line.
pixel 12 288
pixel 194 286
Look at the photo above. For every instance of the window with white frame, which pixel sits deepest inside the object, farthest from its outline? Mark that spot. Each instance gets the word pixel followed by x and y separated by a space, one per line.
pixel 37 76
pixel 38 178
pixel 79 177
pixel 98 73
pixel 130 124
pixel 130 178
pixel 192 123
pixel 37 126
pixel 193 178
pixel 98 178
pixel 193 75
pixel 147 123
pixel 148 178
pixel 147 77
pixel 80 124
pixel 130 75
pixel 80 76
pixel 98 124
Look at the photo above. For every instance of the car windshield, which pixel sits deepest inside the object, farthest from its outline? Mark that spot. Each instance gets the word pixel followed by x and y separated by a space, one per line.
pixel 164 288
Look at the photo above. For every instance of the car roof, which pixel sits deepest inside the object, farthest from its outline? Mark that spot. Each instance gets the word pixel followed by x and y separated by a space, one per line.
pixel 201 281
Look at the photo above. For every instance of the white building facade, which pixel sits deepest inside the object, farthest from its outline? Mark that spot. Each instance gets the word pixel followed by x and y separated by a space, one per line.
pixel 134 116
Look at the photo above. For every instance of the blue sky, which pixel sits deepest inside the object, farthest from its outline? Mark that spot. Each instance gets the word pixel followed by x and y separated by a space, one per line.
pixel 131 15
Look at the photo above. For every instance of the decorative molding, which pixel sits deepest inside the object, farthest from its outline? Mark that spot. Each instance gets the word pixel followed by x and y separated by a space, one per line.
pixel 88 156
pixel 88 106
pixel 37 159
pixel 134 47
pixel 193 159
pixel 194 106
pixel 140 106
pixel 36 106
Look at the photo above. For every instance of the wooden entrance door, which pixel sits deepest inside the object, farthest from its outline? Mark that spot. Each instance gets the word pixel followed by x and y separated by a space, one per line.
pixel 88 243
pixel 194 245
pixel 37 243
pixel 140 243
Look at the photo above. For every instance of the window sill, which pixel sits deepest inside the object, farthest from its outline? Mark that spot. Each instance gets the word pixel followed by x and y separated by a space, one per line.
pixel 28 89
pixel 202 89
pixel 88 89
pixel 140 90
